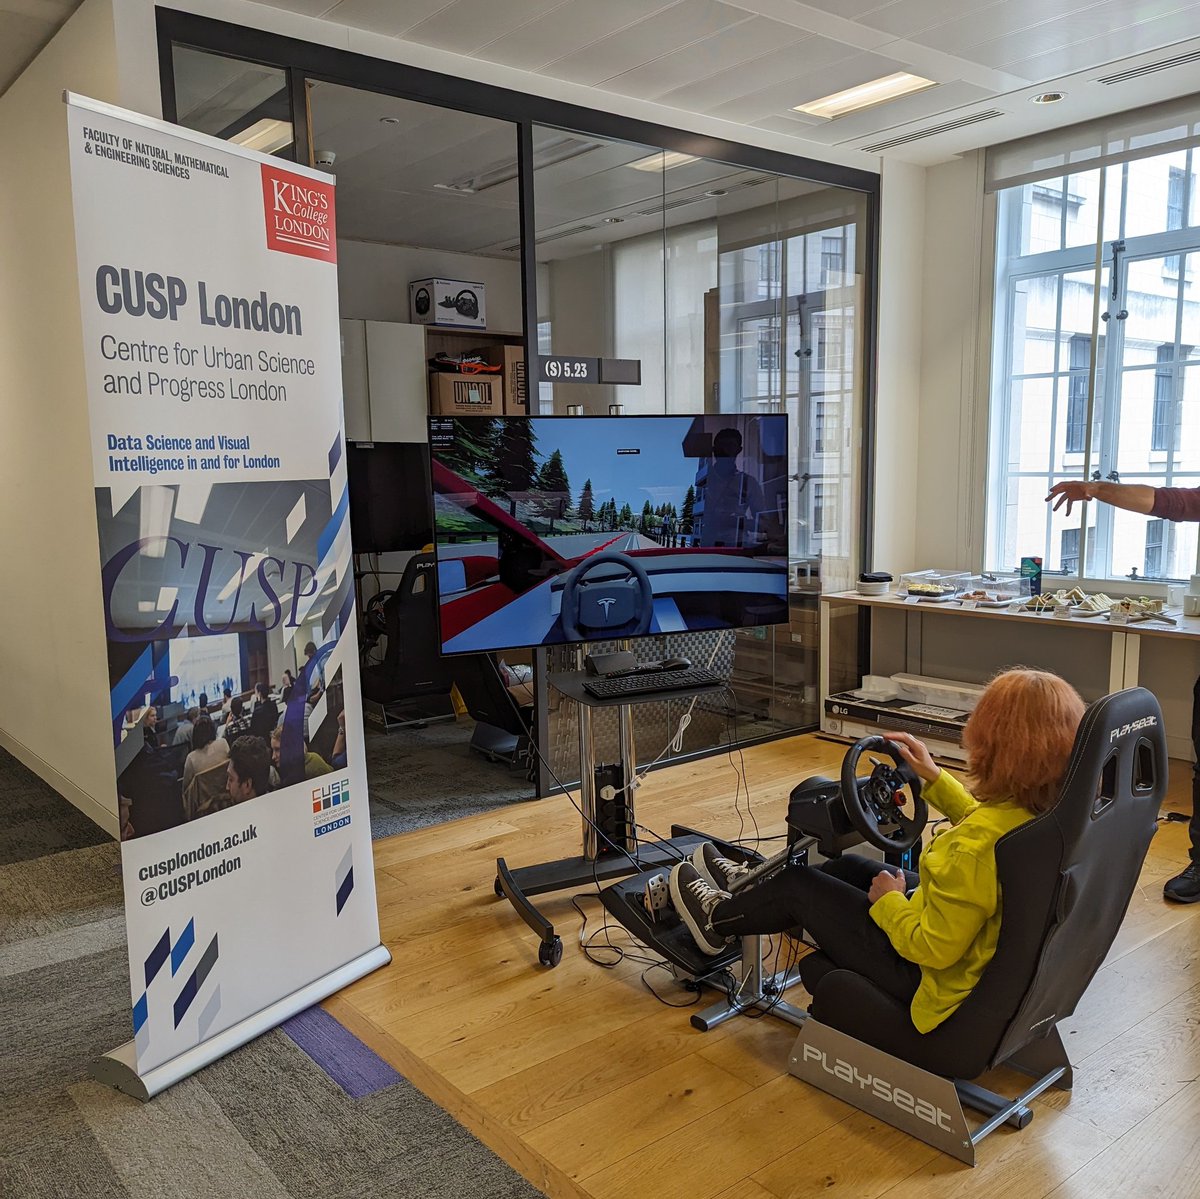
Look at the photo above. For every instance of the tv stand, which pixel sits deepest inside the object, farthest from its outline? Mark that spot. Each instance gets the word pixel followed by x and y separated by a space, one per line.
pixel 598 862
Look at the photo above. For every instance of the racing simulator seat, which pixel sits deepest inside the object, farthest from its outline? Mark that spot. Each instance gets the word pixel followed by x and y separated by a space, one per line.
pixel 1068 876
pixel 503 727
pixel 412 669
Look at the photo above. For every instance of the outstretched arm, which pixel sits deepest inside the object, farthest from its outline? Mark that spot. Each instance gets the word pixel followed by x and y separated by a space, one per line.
pixel 1133 497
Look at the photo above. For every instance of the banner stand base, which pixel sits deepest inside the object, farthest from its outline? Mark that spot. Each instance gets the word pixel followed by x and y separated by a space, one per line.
pixel 118 1068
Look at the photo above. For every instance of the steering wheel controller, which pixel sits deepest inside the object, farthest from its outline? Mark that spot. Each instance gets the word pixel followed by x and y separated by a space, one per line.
pixel 840 814
pixel 619 604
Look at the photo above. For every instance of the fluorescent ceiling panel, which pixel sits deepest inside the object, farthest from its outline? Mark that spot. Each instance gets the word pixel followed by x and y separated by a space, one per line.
pixel 866 95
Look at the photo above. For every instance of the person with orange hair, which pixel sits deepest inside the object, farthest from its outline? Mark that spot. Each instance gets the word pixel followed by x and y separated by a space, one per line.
pixel 923 938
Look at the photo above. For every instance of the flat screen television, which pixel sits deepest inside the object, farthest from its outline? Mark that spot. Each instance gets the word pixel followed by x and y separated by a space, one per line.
pixel 557 529
pixel 389 496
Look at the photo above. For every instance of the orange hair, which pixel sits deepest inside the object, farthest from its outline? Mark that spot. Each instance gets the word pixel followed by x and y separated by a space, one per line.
pixel 1019 738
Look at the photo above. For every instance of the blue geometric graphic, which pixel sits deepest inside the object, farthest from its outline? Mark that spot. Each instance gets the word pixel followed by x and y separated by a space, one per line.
pixel 181 947
pixel 193 984
pixel 344 890
pixel 158 955
pixel 344 878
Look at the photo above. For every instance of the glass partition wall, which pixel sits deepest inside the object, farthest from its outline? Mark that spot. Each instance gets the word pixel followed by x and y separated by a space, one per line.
pixel 733 290
pixel 735 283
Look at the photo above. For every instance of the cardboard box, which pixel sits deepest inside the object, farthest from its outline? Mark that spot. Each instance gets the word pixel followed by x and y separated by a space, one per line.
pixel 512 360
pixel 457 303
pixel 465 395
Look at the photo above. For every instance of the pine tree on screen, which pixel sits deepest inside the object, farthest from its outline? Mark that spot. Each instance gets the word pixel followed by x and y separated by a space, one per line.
pixel 587 504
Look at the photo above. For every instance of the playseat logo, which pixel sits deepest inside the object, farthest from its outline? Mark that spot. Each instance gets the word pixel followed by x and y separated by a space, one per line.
pixel 1146 722
pixel 904 1100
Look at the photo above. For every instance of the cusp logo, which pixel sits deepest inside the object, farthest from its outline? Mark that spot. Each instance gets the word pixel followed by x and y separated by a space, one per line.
pixel 904 1100
pixel 299 214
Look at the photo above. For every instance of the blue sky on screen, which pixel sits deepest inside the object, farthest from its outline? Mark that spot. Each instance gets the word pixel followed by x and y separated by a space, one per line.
pixel 659 473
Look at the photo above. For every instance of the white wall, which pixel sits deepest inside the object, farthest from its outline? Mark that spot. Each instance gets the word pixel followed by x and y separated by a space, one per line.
pixel 902 262
pixel 373 281
pixel 54 701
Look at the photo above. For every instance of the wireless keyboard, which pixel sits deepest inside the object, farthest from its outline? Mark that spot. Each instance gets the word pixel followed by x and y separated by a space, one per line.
pixel 651 683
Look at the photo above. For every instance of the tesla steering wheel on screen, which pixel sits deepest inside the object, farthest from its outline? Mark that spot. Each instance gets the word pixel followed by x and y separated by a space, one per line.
pixel 610 607
pixel 875 803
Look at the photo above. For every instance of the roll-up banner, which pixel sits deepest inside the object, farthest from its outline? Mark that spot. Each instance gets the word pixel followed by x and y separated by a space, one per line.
pixel 208 286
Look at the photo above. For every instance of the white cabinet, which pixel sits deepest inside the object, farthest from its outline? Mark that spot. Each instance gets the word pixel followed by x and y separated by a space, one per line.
pixel 355 403
pixel 383 381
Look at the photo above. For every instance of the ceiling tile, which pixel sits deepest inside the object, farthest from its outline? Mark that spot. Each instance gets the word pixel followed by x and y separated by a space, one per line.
pixel 807 85
pixel 1118 44
pixel 851 10
pixel 908 18
pixel 777 67
pixel 468 24
pixel 384 16
pixel 564 29
pixel 1097 25
pixel 680 25
pixel 304 8
pixel 696 63
pixel 999 20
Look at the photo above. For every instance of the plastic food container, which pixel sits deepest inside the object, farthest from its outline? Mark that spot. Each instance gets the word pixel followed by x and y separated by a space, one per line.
pixel 995 591
pixel 934 585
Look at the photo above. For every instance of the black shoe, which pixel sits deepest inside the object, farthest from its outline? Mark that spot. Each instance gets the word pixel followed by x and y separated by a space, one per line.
pixel 716 869
pixel 1185 887
pixel 694 900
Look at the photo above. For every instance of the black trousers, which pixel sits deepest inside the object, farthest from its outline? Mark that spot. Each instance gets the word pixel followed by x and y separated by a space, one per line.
pixel 830 903
pixel 1194 827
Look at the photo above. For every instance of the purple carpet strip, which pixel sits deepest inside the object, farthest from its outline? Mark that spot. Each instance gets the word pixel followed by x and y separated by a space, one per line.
pixel 359 1071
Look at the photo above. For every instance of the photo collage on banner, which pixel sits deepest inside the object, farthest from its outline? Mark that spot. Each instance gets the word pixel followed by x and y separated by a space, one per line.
pixel 208 286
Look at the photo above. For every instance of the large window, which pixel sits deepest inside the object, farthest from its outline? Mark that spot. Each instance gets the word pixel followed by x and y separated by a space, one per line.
pixel 1095 371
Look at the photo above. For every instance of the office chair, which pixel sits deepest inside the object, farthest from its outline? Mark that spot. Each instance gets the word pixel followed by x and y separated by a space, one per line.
pixel 1066 878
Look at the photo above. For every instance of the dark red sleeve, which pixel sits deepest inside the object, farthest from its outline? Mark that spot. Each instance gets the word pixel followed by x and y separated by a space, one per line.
pixel 1176 503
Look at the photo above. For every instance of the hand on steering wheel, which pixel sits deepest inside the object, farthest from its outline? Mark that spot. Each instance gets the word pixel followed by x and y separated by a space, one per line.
pixel 620 606
pixel 875 804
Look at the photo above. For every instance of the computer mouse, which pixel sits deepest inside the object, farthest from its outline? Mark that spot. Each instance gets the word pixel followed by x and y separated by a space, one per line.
pixel 675 664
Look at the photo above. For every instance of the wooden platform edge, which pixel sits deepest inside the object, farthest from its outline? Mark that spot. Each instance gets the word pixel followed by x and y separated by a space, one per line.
pixel 507 1145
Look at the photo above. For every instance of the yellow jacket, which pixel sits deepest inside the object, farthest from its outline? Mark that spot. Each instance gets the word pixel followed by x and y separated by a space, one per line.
pixel 950 924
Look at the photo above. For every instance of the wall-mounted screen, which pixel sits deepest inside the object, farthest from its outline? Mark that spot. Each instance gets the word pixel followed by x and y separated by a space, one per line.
pixel 564 529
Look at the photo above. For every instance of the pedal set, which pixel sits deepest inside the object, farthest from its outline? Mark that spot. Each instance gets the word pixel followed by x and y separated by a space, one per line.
pixel 657 897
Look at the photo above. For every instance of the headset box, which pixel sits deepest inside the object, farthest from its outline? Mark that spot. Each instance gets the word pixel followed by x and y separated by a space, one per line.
pixel 465 395
pixel 454 302
pixel 511 360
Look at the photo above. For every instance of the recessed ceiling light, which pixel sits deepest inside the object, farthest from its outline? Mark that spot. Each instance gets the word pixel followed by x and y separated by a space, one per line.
pixel 663 161
pixel 717 191
pixel 614 220
pixel 866 95
pixel 1047 98
pixel 389 120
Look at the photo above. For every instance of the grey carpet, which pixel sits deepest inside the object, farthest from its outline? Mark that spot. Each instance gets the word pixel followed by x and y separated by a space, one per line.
pixel 419 777
pixel 265 1122
pixel 37 820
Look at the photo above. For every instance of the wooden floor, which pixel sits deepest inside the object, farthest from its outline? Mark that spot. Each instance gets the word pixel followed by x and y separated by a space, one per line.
pixel 588 1086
